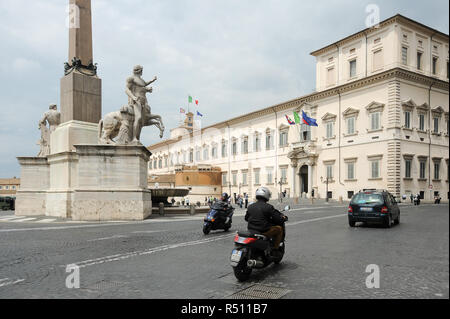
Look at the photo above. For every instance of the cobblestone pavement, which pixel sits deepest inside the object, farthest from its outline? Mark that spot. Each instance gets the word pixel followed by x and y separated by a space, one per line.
pixel 169 257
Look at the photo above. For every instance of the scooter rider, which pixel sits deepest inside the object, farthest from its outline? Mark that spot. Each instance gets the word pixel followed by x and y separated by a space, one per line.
pixel 223 207
pixel 264 218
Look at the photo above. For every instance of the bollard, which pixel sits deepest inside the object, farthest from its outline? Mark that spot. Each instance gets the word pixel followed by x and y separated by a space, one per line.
pixel 191 210
pixel 161 209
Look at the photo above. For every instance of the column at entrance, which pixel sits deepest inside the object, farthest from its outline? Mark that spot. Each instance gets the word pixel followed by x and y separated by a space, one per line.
pixel 310 181
pixel 294 180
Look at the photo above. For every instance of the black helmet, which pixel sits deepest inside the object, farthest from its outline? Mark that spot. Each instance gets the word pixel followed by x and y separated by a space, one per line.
pixel 225 196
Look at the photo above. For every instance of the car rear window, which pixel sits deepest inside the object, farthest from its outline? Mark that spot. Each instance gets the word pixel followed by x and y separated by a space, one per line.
pixel 367 198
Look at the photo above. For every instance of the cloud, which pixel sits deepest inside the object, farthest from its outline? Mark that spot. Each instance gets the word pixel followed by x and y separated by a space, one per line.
pixel 233 56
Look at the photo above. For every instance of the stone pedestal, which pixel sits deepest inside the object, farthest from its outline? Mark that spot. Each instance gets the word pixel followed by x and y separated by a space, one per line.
pixel 81 98
pixel 34 183
pixel 111 183
pixel 63 178
pixel 70 133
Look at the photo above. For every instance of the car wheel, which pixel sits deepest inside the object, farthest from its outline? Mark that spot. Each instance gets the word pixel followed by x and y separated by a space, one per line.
pixel 388 221
pixel 351 223
pixel 397 220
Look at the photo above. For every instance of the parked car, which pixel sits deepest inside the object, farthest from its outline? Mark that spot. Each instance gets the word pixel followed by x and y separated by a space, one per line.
pixel 7 203
pixel 371 205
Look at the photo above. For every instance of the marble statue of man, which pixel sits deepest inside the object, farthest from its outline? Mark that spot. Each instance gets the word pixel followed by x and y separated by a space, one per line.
pixel 136 89
pixel 53 118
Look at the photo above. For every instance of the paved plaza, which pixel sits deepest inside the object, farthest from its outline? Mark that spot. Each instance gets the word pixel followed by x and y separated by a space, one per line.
pixel 169 257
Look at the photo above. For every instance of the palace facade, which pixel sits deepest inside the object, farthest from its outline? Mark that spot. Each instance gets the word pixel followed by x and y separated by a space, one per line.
pixel 381 103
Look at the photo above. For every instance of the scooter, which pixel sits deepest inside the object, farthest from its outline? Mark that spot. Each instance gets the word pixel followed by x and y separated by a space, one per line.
pixel 217 219
pixel 255 251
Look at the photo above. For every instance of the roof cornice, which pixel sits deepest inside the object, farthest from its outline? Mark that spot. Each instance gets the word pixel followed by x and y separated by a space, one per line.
pixel 394 19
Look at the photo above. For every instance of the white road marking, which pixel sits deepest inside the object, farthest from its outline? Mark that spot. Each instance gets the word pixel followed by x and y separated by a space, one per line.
pixel 314 220
pixel 147 231
pixel 47 220
pixel 117 257
pixel 123 256
pixel 106 238
pixel 157 220
pixel 4 282
pixel 11 217
pixel 24 220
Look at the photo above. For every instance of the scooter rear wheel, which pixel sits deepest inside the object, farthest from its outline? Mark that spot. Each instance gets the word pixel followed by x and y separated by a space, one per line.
pixel 242 272
pixel 278 260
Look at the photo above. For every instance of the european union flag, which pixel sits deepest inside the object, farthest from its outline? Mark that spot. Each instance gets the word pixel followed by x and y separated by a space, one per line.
pixel 199 114
pixel 308 120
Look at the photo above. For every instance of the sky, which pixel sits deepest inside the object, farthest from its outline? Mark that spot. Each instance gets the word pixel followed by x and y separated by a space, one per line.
pixel 234 56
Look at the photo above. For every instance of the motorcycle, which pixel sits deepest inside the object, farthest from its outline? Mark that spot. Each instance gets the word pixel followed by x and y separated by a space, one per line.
pixel 217 219
pixel 254 251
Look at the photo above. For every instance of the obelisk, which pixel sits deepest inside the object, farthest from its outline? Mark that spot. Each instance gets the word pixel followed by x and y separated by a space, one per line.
pixel 81 88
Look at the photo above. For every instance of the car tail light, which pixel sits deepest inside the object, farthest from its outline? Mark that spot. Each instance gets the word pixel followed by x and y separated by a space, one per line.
pixel 350 209
pixel 384 210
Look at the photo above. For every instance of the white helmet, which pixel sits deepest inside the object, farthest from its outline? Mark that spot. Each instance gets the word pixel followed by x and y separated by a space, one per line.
pixel 263 192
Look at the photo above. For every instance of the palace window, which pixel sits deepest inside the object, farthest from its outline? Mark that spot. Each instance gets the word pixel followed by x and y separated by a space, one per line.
pixel 434 65
pixel 407 119
pixel 405 55
pixel 436 124
pixel 375 168
pixel 329 169
pixel 224 149
pixel 351 170
pixel 437 167
pixel 191 156
pixel 234 147
pixel 269 140
pixel 256 173
pixel 375 123
pixel 256 142
pixel 244 146
pixel 352 68
pixel 269 171
pixel 422 169
pixel 330 129
pixel 205 153
pixel 214 151
pixel 244 178
pixel 351 125
pixel 224 179
pixel 198 155
pixel 283 174
pixel 419 60
pixel 283 137
pixel 422 122
pixel 408 165
pixel 234 176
